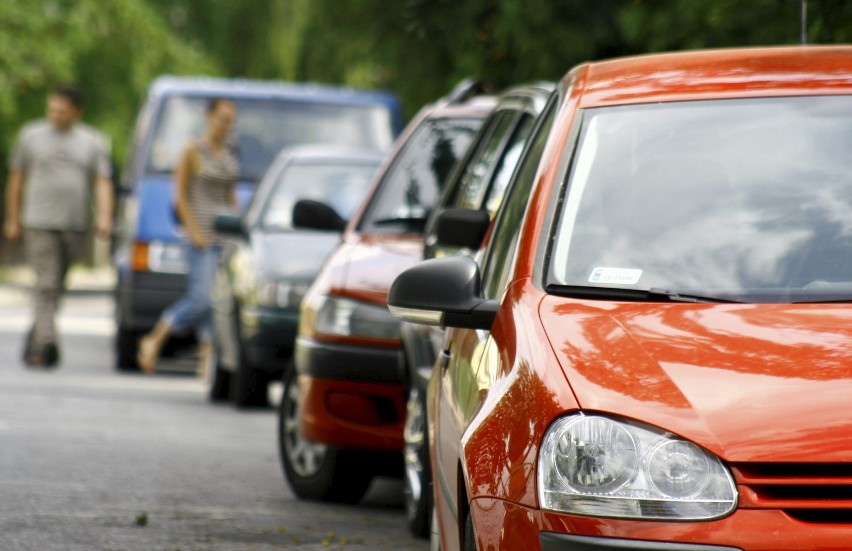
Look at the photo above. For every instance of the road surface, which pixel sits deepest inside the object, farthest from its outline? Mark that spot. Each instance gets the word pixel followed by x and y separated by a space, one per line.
pixel 93 459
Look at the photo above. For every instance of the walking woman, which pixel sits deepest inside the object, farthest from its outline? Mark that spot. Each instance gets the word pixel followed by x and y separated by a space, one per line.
pixel 205 180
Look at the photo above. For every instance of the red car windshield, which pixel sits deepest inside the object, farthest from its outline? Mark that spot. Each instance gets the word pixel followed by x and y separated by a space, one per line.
pixel 741 199
pixel 412 185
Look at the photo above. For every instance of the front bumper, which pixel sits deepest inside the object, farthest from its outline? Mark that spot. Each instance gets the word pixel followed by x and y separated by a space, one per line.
pixel 346 362
pixel 141 297
pixel 502 525
pixel 268 336
pixel 567 542
pixel 351 396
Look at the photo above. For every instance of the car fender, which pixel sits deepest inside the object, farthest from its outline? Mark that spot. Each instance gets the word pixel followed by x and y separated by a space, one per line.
pixel 499 447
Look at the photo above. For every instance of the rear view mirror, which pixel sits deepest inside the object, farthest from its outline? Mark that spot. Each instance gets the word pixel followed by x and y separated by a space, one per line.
pixel 465 228
pixel 230 224
pixel 316 215
pixel 444 292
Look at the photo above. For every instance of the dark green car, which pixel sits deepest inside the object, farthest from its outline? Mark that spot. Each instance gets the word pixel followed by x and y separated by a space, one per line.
pixel 276 249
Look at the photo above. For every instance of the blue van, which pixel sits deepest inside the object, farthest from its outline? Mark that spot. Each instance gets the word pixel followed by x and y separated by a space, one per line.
pixel 271 115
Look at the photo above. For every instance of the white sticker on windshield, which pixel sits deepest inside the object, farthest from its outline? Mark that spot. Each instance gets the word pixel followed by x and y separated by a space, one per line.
pixel 615 276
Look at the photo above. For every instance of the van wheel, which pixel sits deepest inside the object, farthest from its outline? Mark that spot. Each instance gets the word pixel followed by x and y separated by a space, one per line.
pixel 313 470
pixel 126 349
pixel 417 484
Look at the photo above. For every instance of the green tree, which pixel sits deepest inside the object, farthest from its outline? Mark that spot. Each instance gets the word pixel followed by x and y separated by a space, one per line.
pixel 112 49
pixel 417 48
pixel 420 48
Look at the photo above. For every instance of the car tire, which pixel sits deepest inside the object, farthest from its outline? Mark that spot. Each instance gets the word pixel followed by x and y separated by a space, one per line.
pixel 315 471
pixel 249 387
pixel 126 349
pixel 220 379
pixel 417 487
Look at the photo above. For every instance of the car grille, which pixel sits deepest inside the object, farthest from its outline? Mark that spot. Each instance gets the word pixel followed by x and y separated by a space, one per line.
pixel 809 492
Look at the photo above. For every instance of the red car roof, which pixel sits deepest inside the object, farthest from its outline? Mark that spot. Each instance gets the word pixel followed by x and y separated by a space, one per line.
pixel 705 74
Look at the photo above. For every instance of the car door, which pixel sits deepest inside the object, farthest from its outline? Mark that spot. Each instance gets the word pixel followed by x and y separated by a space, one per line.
pixel 469 362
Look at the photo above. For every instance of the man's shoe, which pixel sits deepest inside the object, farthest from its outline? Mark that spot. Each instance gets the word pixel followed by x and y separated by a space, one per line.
pixel 33 359
pixel 31 356
pixel 48 356
pixel 50 353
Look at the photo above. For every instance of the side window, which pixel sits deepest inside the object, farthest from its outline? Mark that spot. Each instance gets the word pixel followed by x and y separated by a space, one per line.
pixel 474 180
pixel 508 162
pixel 497 264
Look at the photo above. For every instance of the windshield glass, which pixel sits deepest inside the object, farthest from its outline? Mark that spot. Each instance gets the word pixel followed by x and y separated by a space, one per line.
pixel 746 199
pixel 338 184
pixel 413 184
pixel 265 126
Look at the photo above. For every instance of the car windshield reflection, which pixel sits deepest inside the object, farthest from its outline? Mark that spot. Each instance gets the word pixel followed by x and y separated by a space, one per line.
pixel 339 185
pixel 747 199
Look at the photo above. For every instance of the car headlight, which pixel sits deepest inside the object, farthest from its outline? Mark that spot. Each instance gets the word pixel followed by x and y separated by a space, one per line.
pixel 351 318
pixel 596 466
pixel 281 294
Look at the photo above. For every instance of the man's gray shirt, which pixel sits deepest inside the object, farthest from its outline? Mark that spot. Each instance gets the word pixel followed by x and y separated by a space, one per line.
pixel 59 169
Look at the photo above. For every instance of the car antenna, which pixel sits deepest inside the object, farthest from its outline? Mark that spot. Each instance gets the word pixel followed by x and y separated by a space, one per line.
pixel 803 22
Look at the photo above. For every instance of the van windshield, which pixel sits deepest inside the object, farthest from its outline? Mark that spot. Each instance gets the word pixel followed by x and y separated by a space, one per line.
pixel 265 126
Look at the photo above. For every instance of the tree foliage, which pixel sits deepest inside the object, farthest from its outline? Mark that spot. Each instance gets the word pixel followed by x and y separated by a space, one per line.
pixel 111 49
pixel 416 48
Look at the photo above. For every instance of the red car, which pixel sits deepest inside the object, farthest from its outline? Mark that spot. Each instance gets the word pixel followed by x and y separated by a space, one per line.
pixel 655 351
pixel 343 407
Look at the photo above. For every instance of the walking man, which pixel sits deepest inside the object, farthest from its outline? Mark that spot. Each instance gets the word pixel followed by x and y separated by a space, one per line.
pixel 58 165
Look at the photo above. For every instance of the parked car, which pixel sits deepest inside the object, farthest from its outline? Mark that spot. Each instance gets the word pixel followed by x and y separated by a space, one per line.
pixel 269 262
pixel 149 257
pixel 654 352
pixel 341 419
pixel 457 225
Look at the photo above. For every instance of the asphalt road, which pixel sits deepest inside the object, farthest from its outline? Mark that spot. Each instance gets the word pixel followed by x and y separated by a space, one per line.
pixel 93 459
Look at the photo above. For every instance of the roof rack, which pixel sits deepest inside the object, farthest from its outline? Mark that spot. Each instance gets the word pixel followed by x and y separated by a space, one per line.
pixel 464 90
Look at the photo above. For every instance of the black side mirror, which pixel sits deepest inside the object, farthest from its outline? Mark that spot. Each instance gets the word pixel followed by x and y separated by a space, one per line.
pixel 230 224
pixel 465 228
pixel 316 215
pixel 444 292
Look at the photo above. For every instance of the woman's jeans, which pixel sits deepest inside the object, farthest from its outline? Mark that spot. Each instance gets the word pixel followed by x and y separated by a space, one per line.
pixel 193 310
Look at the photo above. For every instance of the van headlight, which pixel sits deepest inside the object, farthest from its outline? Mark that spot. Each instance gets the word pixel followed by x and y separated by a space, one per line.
pixel 351 318
pixel 596 466
pixel 159 256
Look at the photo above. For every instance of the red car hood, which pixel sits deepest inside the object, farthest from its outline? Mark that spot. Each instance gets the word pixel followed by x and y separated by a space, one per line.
pixel 371 263
pixel 749 382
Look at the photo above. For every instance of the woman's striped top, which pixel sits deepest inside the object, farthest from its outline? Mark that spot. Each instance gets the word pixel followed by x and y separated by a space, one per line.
pixel 210 188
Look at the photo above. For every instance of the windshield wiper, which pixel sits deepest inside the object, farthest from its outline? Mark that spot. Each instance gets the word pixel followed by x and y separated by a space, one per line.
pixel 820 291
pixel 839 299
pixel 635 295
pixel 673 296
